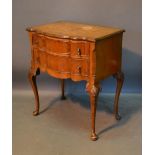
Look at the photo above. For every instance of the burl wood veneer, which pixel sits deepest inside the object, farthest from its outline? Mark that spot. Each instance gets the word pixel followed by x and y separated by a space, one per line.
pixel 79 52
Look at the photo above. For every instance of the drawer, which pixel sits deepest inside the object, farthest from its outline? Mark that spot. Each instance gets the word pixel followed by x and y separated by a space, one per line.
pixel 57 46
pixel 38 41
pixel 79 67
pixel 79 48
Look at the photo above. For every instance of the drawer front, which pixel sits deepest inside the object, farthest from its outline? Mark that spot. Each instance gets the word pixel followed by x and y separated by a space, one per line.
pixel 57 46
pixel 61 58
pixel 79 67
pixel 79 49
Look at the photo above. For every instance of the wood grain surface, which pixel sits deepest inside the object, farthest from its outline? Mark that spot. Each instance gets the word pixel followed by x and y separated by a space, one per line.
pixel 73 30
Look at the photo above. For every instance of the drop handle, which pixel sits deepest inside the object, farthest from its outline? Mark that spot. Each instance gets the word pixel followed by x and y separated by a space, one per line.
pixel 79 69
pixel 79 51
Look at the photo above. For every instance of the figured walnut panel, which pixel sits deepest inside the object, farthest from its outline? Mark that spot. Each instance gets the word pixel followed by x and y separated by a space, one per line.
pixel 108 56
pixel 57 46
pixel 58 63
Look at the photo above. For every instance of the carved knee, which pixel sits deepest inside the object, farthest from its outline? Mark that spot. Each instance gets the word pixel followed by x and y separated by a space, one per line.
pixel 93 89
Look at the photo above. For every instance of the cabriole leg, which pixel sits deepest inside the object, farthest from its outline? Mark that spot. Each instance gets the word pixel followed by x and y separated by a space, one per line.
pixel 120 79
pixel 93 91
pixel 32 79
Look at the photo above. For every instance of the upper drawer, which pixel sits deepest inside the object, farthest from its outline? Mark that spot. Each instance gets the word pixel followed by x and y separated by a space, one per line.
pixel 79 48
pixel 57 46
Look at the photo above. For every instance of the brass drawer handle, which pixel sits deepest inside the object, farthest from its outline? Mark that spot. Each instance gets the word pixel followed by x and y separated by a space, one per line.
pixel 79 51
pixel 79 69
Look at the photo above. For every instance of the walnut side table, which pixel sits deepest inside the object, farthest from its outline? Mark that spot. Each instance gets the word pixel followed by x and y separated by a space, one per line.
pixel 79 52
